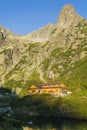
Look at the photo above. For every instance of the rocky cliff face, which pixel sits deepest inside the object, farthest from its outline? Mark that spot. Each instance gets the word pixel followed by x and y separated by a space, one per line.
pixel 49 54
pixel 68 17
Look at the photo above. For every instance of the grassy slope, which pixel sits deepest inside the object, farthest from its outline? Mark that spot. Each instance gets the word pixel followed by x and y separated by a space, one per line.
pixel 71 106
pixel 78 77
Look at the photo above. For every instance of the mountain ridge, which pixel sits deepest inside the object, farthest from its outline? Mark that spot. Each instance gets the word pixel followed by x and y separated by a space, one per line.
pixel 46 55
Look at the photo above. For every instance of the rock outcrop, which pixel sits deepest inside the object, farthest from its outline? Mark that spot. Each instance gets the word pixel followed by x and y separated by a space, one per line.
pixel 48 54
pixel 68 17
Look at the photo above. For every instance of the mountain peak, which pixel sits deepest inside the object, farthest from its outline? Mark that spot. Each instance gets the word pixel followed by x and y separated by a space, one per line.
pixel 68 7
pixel 68 17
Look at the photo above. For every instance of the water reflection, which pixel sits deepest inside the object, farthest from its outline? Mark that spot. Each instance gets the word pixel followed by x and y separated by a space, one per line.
pixel 56 124
pixel 41 123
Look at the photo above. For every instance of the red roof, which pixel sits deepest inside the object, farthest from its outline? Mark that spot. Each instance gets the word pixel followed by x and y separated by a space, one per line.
pixel 49 84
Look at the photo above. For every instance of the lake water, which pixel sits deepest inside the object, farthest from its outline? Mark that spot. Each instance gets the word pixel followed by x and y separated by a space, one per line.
pixel 55 124
pixel 41 123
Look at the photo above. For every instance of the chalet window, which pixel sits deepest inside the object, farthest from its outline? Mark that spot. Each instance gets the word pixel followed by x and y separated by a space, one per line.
pixel 33 91
pixel 51 91
pixel 44 91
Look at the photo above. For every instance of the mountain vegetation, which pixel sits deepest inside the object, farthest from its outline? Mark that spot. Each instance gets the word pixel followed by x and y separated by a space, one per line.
pixel 53 53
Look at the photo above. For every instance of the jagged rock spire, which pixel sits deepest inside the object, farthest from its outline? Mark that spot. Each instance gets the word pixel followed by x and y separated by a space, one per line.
pixel 68 17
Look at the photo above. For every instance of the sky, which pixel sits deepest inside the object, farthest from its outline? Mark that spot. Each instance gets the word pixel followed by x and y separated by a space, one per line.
pixel 25 16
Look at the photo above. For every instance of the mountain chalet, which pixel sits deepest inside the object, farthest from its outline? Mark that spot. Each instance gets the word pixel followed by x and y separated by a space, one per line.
pixel 49 88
